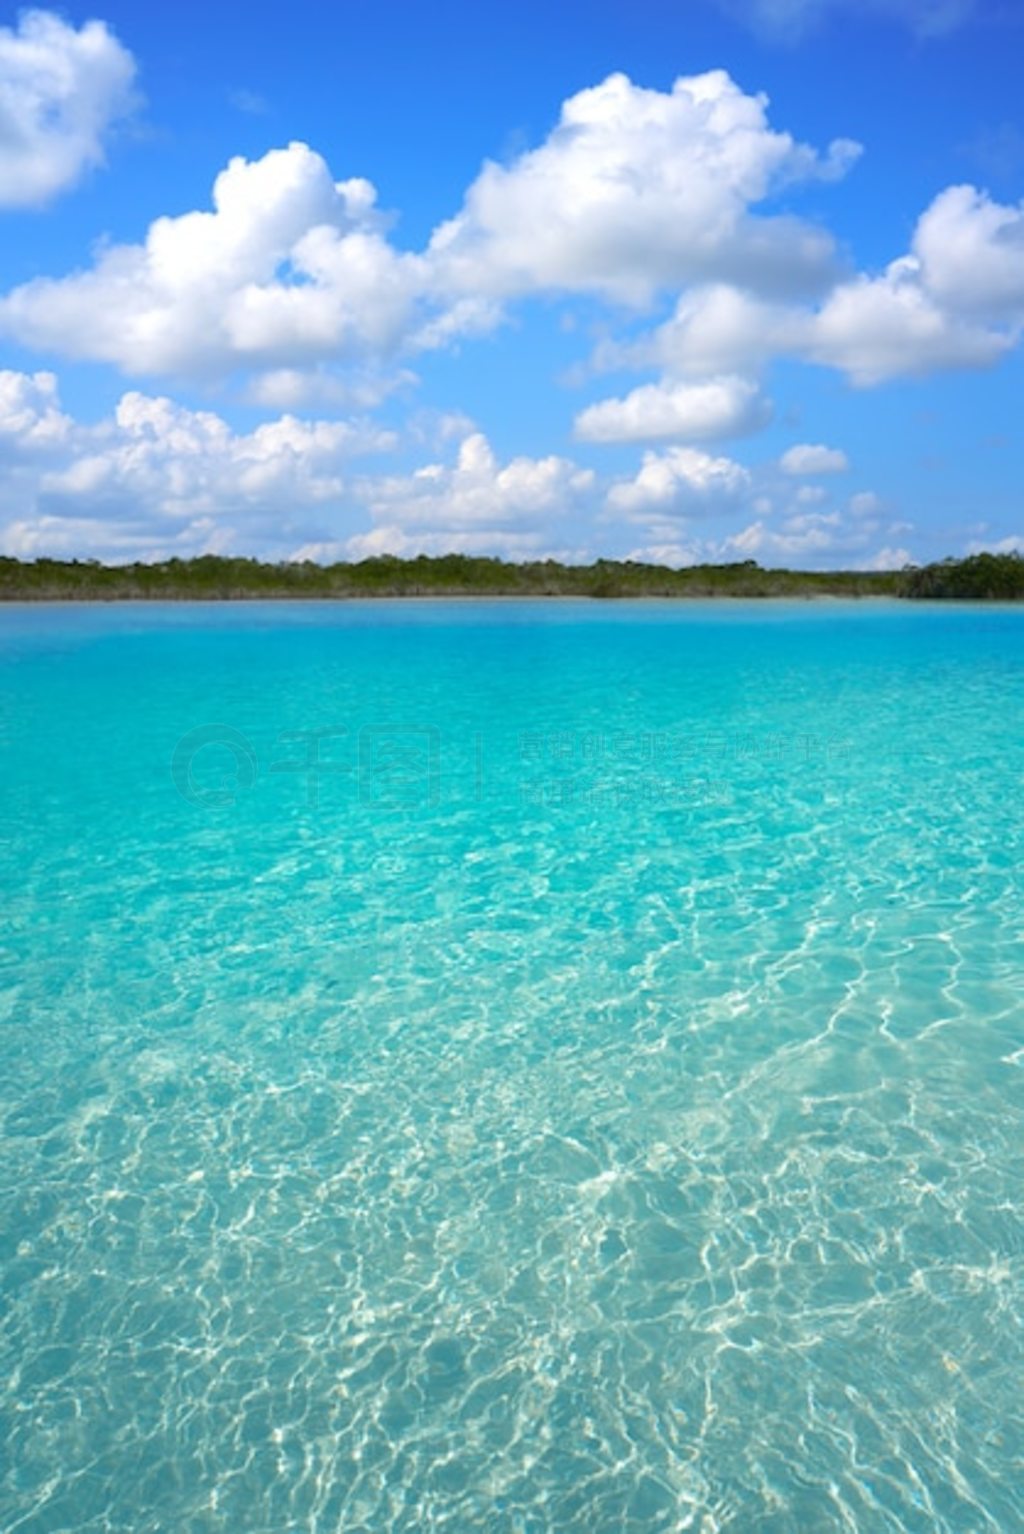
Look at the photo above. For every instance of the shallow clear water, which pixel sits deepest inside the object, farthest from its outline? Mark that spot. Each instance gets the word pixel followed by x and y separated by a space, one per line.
pixel 592 1100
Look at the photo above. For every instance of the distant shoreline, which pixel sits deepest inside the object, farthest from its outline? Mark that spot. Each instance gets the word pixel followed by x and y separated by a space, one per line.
pixel 246 599
pixel 454 577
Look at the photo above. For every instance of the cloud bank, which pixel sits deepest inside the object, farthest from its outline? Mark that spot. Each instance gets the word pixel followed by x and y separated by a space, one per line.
pixel 155 479
pixel 670 212
pixel 634 191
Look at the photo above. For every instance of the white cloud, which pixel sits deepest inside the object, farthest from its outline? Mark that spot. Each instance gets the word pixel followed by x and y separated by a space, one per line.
pixel 295 388
pixel 892 326
pixel 802 533
pixel 636 190
pixel 472 316
pixel 888 559
pixel 477 492
pixel 293 289
pixel 1014 544
pixel 816 538
pixel 811 534
pixel 813 458
pixel 872 329
pixel 188 464
pixel 715 329
pixel 865 504
pixel 56 537
pixel 407 543
pixel 156 475
pixel 682 481
pixel 674 555
pixel 478 505
pixel 971 254
pixel 60 92
pixel 30 413
pixel 956 300
pixel 289 268
pixel 436 428
pixel 692 412
pixel 155 478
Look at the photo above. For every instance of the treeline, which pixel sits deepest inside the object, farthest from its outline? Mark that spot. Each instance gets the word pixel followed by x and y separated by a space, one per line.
pixel 212 577
pixel 981 577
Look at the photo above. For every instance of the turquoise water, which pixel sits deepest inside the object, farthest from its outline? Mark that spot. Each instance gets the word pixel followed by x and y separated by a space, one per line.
pixel 591 1098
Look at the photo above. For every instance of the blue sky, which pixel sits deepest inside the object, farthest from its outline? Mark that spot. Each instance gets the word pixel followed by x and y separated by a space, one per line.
pixel 716 279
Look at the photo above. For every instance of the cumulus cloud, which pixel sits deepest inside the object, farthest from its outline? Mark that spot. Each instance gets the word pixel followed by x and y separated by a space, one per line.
pixel 715 329
pixel 680 482
pixel 813 458
pixel 291 286
pixel 689 412
pixel 810 533
pixel 478 505
pixel 888 559
pixel 30 413
pixel 633 190
pixel 871 328
pixel 892 326
pixel 154 473
pixel 673 554
pixel 186 463
pixel 822 539
pixel 407 543
pixel 955 300
pixel 970 251
pixel 291 274
pixel 155 478
pixel 288 269
pixel 823 542
pixel 636 190
pixel 477 492
pixel 61 89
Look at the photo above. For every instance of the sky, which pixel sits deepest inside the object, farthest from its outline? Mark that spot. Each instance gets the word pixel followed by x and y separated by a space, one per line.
pixel 675 281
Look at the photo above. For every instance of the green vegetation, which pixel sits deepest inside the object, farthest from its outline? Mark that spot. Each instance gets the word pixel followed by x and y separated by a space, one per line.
pixel 449 575
pixel 997 576
pixel 981 577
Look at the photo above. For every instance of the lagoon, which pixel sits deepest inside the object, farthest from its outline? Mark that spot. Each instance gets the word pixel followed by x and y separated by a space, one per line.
pixel 511 1065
